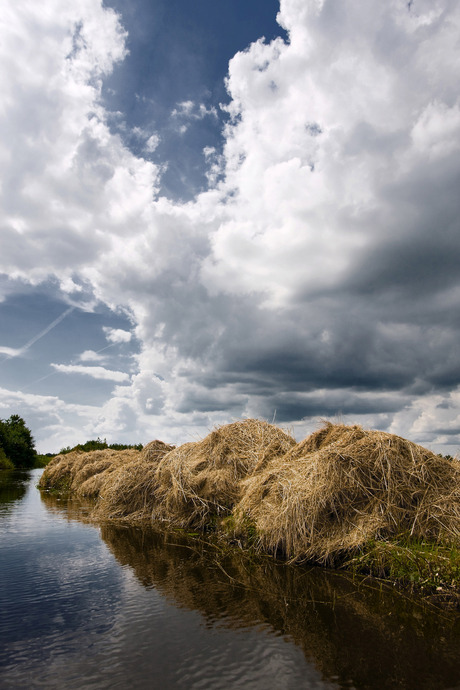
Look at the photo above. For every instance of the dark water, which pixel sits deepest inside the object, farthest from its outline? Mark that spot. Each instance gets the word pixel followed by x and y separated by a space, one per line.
pixel 87 607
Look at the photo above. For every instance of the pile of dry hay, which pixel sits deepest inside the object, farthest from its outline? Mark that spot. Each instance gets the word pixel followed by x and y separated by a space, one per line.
pixel 203 479
pixel 129 491
pixel 318 499
pixel 120 479
pixel 185 485
pixel 343 486
pixel 82 473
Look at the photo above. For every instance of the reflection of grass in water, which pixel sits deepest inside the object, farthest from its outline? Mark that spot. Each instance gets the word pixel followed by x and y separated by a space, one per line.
pixel 13 485
pixel 378 638
pixel 347 628
pixel 67 506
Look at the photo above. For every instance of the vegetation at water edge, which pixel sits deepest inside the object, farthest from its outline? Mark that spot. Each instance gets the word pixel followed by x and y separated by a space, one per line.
pixel 343 497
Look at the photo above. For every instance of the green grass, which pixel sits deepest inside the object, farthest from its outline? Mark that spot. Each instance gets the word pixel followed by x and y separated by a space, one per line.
pixel 419 565
pixel 244 532
pixel 42 460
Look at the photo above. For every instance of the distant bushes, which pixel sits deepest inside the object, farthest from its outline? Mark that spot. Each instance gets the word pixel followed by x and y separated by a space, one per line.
pixel 99 444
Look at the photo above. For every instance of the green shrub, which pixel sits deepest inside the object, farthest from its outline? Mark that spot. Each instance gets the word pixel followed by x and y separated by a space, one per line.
pixel 17 442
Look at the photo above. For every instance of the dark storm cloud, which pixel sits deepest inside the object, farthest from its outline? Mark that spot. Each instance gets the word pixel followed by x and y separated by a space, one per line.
pixel 287 408
pixel 448 431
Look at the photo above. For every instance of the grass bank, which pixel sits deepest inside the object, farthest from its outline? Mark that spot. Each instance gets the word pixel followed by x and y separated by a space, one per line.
pixel 429 569
pixel 365 500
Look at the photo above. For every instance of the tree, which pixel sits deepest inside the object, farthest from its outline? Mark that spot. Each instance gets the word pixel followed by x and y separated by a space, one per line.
pixel 17 441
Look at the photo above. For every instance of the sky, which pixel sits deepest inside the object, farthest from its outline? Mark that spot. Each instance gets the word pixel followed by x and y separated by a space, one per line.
pixel 218 210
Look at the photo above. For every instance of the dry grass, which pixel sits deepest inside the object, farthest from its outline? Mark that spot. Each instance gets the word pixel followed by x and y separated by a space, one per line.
pixel 82 473
pixel 343 486
pixel 129 491
pixel 121 480
pixel 321 499
pixel 203 479
pixel 155 450
pixel 58 473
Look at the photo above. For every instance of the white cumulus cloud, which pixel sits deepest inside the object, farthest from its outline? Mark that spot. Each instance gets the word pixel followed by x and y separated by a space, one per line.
pixel 117 335
pixel 333 209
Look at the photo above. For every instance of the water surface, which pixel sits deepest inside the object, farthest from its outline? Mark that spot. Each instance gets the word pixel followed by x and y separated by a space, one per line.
pixel 105 606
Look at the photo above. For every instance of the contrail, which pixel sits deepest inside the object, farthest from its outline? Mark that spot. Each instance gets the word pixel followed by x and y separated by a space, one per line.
pixel 24 348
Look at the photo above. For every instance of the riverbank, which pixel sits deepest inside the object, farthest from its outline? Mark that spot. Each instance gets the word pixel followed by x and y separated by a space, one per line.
pixel 111 605
pixel 343 497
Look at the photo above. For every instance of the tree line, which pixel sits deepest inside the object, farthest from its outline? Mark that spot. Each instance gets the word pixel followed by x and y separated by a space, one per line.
pixel 99 444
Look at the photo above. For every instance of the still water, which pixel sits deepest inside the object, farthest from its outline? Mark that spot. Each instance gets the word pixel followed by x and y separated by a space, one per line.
pixel 103 606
